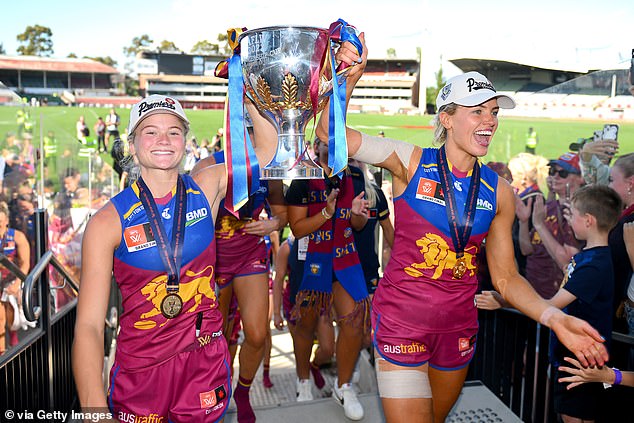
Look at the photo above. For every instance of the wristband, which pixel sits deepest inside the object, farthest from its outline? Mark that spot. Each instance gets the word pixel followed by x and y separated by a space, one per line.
pixel 618 376
pixel 547 314
pixel 325 214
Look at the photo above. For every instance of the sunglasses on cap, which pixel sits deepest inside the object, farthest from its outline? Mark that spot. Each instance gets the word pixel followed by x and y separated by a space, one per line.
pixel 563 173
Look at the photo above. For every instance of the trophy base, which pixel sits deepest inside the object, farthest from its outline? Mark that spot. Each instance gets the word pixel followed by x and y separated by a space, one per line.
pixel 298 172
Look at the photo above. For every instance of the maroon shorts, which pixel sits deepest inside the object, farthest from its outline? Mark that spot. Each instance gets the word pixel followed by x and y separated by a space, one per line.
pixel 192 386
pixel 230 265
pixel 404 347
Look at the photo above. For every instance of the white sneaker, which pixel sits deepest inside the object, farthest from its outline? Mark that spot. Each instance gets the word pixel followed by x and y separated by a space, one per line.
pixel 347 397
pixel 304 390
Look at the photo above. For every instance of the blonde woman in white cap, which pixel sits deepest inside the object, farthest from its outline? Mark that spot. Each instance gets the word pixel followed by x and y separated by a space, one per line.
pixel 157 238
pixel 424 317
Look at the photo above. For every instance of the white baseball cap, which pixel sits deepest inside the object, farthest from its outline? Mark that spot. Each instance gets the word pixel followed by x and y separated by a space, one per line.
pixel 471 89
pixel 155 104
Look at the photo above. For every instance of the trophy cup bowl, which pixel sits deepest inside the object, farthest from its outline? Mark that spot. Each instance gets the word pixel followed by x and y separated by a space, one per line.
pixel 280 65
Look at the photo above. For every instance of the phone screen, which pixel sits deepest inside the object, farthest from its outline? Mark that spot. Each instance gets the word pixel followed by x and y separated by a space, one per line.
pixel 610 132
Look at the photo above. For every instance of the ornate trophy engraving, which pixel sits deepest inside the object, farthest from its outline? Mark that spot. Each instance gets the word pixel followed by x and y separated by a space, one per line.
pixel 285 74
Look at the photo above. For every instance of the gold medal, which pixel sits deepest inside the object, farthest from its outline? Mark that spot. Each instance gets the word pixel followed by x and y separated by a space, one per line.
pixel 460 268
pixel 171 305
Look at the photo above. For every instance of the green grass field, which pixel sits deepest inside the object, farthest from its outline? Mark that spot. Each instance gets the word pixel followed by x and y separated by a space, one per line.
pixel 554 135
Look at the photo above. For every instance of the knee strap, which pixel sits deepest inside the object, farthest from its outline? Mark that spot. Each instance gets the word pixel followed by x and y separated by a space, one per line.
pixel 402 383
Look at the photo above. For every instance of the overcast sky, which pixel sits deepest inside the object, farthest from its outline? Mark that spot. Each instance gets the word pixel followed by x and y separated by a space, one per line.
pixel 574 35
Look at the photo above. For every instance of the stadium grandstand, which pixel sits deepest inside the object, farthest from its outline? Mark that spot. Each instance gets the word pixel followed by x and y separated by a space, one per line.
pixel 189 78
pixel 558 93
pixel 386 85
pixel 62 81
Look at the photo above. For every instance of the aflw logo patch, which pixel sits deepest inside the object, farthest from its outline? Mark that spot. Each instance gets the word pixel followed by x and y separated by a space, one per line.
pixel 429 190
pixel 139 237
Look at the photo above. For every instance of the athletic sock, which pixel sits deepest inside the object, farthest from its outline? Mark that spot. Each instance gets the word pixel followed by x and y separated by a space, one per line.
pixel 317 377
pixel 241 397
pixel 266 379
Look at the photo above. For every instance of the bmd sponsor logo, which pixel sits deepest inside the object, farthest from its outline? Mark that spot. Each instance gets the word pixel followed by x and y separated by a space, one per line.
pixel 194 216
pixel 484 204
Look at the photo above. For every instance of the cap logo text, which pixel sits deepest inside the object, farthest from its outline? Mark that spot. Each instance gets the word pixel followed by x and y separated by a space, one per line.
pixel 146 107
pixel 474 85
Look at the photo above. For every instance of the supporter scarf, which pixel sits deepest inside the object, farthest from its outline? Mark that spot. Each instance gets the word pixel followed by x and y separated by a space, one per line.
pixel 331 249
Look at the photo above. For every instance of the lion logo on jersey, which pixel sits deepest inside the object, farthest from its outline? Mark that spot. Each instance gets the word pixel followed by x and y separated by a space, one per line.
pixel 193 287
pixel 228 227
pixel 438 256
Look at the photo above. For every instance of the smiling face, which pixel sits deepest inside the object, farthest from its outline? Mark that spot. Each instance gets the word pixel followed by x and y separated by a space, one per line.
pixel 471 129
pixel 159 142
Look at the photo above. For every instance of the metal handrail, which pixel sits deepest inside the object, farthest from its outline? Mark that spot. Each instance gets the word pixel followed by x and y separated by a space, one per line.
pixel 33 313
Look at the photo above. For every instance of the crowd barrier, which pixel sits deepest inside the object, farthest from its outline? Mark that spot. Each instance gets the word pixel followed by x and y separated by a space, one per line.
pixel 511 357
pixel 512 361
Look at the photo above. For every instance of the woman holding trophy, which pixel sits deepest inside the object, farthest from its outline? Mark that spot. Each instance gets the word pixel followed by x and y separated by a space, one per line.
pixel 424 318
pixel 157 238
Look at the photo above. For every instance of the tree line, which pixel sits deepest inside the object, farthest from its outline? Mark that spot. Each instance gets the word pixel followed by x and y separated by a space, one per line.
pixel 37 40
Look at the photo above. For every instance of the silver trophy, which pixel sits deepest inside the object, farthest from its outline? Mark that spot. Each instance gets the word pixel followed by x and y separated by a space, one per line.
pixel 280 66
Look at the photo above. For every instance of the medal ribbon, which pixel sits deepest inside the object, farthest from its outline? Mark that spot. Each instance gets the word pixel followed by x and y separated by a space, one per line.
pixel 460 228
pixel 171 252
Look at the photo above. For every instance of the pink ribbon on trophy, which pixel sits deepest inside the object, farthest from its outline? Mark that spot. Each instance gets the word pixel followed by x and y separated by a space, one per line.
pixel 242 165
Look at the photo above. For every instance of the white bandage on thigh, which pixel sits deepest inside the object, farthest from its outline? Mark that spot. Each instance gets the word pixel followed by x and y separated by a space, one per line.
pixel 402 383
pixel 375 150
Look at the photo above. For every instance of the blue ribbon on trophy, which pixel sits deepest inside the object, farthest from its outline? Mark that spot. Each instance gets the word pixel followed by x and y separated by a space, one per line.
pixel 241 161
pixel 340 31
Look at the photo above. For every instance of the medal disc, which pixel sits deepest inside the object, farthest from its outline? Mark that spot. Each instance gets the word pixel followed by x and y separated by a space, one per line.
pixel 459 269
pixel 171 306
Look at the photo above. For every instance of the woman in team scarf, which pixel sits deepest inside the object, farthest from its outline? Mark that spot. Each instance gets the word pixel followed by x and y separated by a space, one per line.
pixel 327 210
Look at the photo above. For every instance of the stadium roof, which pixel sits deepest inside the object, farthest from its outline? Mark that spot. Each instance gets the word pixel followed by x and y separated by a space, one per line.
pixel 34 63
pixel 484 65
